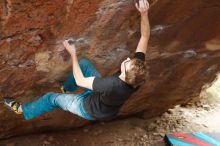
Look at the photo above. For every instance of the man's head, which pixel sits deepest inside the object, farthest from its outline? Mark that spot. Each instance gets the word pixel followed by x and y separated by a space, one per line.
pixel 134 70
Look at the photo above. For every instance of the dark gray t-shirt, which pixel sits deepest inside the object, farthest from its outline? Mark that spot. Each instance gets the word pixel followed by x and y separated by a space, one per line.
pixel 108 95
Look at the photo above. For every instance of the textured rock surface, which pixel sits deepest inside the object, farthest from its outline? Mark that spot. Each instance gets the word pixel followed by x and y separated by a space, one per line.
pixel 183 53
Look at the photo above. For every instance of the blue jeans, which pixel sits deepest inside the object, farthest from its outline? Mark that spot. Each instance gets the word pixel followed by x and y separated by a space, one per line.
pixel 68 102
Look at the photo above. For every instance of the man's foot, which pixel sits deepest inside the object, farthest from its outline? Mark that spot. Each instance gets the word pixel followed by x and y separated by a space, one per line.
pixel 11 104
pixel 63 90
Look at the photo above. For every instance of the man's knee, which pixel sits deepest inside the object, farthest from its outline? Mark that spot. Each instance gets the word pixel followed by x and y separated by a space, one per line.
pixel 84 61
pixel 49 94
pixel 51 97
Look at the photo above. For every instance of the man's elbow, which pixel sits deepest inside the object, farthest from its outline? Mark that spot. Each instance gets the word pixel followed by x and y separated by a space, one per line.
pixel 79 82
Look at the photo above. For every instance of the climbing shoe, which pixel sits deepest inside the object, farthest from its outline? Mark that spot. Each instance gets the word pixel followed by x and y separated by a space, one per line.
pixel 63 90
pixel 11 104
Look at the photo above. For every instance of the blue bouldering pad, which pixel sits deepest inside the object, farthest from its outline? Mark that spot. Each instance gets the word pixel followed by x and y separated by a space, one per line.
pixel 193 139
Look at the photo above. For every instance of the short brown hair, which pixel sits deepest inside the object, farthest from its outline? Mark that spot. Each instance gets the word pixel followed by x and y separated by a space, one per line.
pixel 137 74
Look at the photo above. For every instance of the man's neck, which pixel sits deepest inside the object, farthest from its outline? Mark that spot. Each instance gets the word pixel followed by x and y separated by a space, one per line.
pixel 122 77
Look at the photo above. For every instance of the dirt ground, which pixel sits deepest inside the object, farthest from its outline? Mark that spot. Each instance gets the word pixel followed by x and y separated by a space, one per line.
pixel 201 116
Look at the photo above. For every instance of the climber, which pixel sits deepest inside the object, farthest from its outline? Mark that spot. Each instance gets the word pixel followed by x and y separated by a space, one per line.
pixel 103 96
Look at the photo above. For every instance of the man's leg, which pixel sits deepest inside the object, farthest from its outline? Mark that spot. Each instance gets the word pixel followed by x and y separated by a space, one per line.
pixel 40 106
pixel 74 104
pixel 51 101
pixel 88 70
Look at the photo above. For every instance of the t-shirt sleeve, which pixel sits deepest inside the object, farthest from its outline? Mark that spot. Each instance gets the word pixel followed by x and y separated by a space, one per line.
pixel 140 55
pixel 101 84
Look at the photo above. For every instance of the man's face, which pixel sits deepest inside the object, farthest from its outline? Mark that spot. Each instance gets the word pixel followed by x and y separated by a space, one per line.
pixel 125 65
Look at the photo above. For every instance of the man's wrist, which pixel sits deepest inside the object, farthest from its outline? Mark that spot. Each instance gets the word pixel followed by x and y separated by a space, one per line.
pixel 144 13
pixel 73 54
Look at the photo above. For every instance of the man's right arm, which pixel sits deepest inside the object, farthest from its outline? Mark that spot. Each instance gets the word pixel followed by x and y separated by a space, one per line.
pixel 145 26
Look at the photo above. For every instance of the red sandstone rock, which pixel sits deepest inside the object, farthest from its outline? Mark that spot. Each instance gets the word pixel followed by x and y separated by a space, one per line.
pixel 183 52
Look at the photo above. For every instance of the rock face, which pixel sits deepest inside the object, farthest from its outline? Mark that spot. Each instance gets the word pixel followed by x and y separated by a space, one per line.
pixel 183 53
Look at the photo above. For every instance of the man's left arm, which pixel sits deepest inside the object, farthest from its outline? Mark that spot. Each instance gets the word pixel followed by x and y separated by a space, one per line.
pixel 85 82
